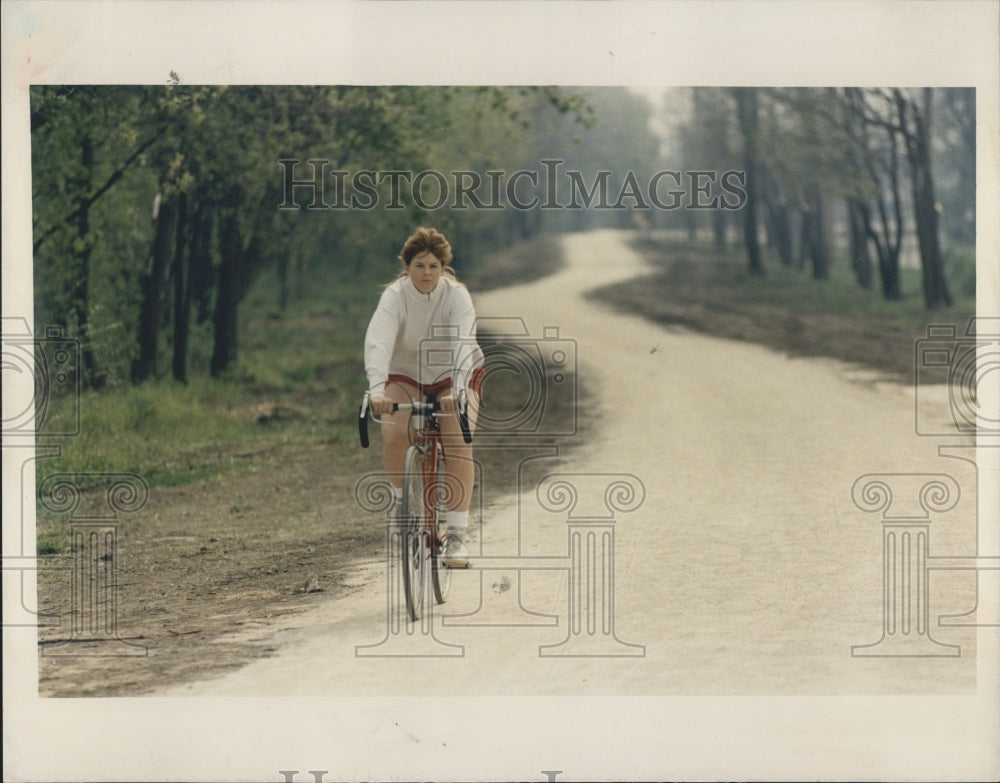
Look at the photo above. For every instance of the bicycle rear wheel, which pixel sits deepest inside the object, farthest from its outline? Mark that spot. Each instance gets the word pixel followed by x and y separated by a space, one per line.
pixel 413 536
pixel 440 573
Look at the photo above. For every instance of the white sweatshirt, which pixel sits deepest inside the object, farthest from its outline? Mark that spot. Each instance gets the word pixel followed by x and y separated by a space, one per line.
pixel 426 337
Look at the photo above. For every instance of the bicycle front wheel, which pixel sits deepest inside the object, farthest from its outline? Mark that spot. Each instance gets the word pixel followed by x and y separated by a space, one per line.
pixel 413 536
pixel 440 573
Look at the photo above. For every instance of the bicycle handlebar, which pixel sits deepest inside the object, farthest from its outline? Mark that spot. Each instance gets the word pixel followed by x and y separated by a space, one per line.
pixel 364 414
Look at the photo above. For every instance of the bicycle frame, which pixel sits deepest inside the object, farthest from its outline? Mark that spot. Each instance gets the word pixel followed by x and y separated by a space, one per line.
pixel 428 444
pixel 420 538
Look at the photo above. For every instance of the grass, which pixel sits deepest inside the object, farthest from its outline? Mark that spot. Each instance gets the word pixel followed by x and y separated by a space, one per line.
pixel 521 263
pixel 695 286
pixel 300 372
pixel 294 382
pixel 297 380
pixel 52 542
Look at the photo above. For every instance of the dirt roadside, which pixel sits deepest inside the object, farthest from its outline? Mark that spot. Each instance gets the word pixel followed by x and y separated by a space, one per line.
pixel 695 288
pixel 201 566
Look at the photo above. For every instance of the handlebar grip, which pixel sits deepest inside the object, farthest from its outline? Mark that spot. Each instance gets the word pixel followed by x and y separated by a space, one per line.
pixel 463 419
pixel 416 406
pixel 363 426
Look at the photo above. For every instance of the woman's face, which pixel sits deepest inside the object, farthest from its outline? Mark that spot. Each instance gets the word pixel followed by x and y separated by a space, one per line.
pixel 425 270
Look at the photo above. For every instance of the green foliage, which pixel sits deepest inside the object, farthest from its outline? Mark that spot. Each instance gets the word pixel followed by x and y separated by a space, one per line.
pixel 137 187
pixel 960 268
pixel 51 542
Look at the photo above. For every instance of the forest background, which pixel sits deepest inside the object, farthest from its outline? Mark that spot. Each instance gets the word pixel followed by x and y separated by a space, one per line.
pixel 213 299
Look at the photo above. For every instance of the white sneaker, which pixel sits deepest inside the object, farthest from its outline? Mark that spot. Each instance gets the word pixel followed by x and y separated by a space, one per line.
pixel 456 554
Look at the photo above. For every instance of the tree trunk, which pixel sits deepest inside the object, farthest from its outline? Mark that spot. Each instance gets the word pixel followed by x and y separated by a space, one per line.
pixel 818 246
pixel 144 365
pixel 719 228
pixel 881 165
pixel 80 291
pixel 182 293
pixel 805 231
pixel 925 207
pixel 224 344
pixel 861 261
pixel 691 224
pixel 961 104
pixel 779 225
pixel 200 282
pixel 746 103
pixel 284 262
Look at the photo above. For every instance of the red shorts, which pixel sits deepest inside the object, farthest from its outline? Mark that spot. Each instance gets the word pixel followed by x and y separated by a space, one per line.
pixel 443 386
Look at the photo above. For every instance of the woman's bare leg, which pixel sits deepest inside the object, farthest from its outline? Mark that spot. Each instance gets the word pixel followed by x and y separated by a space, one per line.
pixel 460 470
pixel 395 435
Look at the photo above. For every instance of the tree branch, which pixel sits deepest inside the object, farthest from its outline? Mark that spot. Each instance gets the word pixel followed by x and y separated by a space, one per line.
pixel 89 201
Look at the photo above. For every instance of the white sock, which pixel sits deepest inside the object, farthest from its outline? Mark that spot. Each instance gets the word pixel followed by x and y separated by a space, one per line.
pixel 397 493
pixel 457 521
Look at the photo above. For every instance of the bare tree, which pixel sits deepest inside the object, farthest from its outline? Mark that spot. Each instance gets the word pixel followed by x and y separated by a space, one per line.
pixel 914 117
pixel 877 205
pixel 748 112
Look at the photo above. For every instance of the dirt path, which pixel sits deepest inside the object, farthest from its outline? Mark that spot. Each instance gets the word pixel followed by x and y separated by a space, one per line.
pixel 741 564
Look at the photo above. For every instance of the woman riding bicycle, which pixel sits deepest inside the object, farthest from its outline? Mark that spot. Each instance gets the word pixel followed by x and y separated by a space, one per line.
pixel 421 341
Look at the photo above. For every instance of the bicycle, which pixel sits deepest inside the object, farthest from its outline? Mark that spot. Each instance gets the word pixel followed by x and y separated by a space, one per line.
pixel 422 530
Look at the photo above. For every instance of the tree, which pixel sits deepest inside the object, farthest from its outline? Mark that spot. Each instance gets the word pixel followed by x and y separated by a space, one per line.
pixel 956 141
pixel 874 150
pixel 204 161
pixel 747 109
pixel 72 130
pixel 705 138
pixel 914 117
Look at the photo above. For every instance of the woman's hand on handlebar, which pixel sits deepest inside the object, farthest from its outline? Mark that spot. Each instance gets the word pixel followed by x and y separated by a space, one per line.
pixel 381 405
pixel 448 403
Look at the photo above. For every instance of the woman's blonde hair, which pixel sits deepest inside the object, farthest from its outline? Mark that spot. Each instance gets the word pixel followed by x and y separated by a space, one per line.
pixel 426 240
